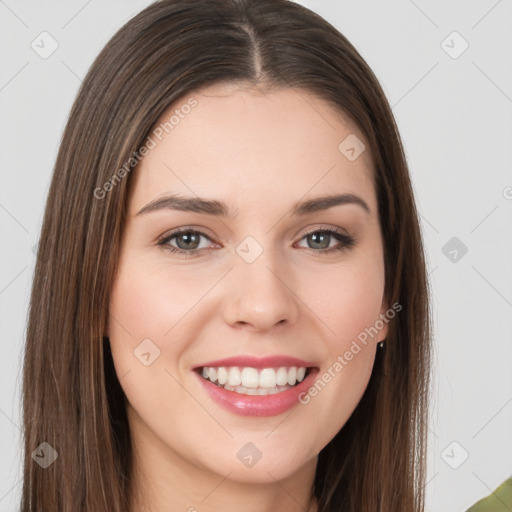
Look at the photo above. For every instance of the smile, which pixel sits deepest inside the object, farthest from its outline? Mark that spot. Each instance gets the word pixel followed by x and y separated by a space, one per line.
pixel 255 381
pixel 270 399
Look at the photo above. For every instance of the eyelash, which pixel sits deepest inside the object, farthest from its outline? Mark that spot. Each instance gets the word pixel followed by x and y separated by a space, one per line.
pixel 347 241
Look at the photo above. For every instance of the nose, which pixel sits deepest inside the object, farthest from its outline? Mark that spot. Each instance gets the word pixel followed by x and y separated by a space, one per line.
pixel 262 295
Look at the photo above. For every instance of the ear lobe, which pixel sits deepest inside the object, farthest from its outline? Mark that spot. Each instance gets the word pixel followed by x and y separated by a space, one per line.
pixel 383 319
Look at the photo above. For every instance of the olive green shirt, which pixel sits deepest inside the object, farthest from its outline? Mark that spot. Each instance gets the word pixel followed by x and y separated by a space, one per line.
pixel 498 501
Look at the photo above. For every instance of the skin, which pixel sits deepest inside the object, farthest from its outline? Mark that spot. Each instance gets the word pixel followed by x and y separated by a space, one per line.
pixel 260 152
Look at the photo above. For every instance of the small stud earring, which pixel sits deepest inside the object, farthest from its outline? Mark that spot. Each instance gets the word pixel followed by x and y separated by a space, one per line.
pixel 381 344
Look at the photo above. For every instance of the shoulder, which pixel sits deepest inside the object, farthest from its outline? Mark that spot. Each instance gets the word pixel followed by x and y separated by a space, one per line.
pixel 498 501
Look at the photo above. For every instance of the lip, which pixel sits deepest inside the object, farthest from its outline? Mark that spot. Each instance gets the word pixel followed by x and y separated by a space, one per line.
pixel 257 362
pixel 257 405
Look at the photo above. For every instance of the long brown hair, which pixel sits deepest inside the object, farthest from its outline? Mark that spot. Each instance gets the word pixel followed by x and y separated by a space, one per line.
pixel 72 398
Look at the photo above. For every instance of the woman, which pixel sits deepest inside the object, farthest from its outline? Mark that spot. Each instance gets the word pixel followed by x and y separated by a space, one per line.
pixel 230 302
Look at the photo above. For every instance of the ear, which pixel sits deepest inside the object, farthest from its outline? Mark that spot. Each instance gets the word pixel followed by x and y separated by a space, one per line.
pixel 384 319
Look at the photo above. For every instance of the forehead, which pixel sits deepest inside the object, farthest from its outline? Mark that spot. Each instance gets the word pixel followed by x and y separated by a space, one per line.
pixel 252 144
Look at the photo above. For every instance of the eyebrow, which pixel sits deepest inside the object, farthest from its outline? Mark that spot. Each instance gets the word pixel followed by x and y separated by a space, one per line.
pixel 213 207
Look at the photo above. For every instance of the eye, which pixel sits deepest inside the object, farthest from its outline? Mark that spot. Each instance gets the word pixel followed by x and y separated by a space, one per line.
pixel 321 238
pixel 187 241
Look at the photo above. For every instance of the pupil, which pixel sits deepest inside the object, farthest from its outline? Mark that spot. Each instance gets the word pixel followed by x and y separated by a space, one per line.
pixel 190 237
pixel 322 235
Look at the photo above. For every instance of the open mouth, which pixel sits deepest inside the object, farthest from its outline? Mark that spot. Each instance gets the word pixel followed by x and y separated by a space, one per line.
pixel 255 381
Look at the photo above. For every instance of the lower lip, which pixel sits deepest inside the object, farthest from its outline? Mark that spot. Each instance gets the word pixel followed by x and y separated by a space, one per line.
pixel 258 405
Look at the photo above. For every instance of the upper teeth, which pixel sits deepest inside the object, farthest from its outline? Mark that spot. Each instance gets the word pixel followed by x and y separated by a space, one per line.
pixel 252 378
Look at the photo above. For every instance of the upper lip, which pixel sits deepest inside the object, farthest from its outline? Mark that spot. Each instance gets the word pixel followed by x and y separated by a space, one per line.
pixel 257 362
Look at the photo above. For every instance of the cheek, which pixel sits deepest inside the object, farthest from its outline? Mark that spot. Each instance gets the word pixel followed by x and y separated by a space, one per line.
pixel 347 300
pixel 154 310
pixel 148 331
pixel 147 302
pixel 348 305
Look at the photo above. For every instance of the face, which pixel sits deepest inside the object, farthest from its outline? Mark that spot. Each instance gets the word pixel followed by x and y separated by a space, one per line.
pixel 263 278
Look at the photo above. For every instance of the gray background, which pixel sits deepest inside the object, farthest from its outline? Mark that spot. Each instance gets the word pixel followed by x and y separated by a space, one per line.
pixel 454 114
